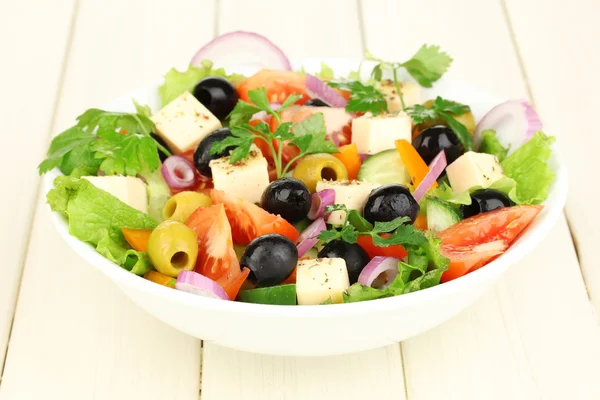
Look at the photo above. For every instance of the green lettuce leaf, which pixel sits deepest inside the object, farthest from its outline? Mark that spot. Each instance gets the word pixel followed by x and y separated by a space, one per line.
pixel 491 145
pixel 158 192
pixel 505 185
pixel 326 73
pixel 96 217
pixel 528 167
pixel 178 82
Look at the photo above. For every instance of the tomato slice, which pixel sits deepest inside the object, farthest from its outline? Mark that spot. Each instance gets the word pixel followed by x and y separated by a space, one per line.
pixel 249 221
pixel 475 241
pixel 366 242
pixel 278 84
pixel 216 257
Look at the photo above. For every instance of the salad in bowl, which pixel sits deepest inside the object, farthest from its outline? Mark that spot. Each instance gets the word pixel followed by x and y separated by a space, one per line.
pixel 293 186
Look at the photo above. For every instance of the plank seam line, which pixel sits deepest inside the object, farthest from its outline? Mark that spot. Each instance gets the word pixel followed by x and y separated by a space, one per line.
pixel 216 29
pixel 525 77
pixel 361 27
pixel 403 371
pixel 23 258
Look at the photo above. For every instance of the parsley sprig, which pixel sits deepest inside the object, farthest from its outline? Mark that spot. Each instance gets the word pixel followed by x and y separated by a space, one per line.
pixel 427 66
pixel 445 109
pixel 106 141
pixel 363 98
pixel 354 225
pixel 309 135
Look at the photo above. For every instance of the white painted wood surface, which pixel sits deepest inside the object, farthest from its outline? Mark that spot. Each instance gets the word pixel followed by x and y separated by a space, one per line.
pixel 75 336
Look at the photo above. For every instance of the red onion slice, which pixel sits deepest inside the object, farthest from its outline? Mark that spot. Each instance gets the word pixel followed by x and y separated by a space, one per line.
pixel 319 201
pixel 436 168
pixel 515 122
pixel 316 88
pixel 308 237
pixel 179 173
pixel 363 157
pixel 242 48
pixel 195 283
pixel 379 267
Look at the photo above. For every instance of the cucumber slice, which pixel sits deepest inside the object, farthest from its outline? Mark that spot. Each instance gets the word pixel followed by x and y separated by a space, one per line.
pixel 440 215
pixel 284 295
pixel 384 168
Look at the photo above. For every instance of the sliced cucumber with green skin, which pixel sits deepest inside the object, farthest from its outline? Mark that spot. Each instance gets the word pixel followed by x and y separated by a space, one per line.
pixel 440 215
pixel 384 168
pixel 284 295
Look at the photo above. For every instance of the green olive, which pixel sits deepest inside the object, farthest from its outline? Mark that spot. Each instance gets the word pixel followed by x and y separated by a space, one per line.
pixel 182 205
pixel 467 119
pixel 173 247
pixel 317 167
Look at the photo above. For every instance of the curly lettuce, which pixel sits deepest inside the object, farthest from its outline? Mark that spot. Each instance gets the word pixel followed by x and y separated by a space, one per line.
pixel 96 217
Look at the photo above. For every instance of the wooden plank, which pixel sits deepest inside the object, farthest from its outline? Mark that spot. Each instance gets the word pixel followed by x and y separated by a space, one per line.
pixel 505 346
pixel 561 63
pixel 31 78
pixel 74 331
pixel 232 374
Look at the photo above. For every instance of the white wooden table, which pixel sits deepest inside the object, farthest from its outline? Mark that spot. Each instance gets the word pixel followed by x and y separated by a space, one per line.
pixel 67 333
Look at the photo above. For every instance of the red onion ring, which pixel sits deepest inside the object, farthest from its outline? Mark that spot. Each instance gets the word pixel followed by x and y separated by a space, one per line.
pixel 387 266
pixel 179 173
pixel 308 237
pixel 515 122
pixel 319 201
pixel 316 88
pixel 198 284
pixel 436 168
pixel 239 47
pixel 363 157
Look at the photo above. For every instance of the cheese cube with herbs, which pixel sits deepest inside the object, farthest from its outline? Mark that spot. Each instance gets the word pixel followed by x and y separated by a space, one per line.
pixel 247 178
pixel 373 134
pixel 411 93
pixel 473 169
pixel 353 194
pixel 184 122
pixel 128 189
pixel 321 279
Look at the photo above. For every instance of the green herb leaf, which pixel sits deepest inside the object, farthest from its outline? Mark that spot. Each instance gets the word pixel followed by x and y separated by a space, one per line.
pixel 242 112
pixel 358 222
pixel 420 114
pixel 459 129
pixel 349 234
pixel 144 110
pixel 310 136
pixel 428 65
pixel 313 125
pixel 125 154
pixel 290 101
pixel 384 227
pixel 241 140
pixel 259 98
pixel 363 98
pixel 450 106
pixel 329 235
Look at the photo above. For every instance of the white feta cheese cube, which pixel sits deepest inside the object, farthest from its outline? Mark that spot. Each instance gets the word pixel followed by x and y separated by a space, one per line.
pixel 373 134
pixel 130 190
pixel 411 92
pixel 184 122
pixel 247 178
pixel 473 169
pixel 353 194
pixel 321 279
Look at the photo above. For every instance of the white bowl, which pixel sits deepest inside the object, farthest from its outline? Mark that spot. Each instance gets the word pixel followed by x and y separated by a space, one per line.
pixel 329 329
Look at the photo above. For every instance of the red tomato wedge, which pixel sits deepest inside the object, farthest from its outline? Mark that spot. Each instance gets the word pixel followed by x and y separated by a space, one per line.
pixel 249 221
pixel 279 85
pixel 366 242
pixel 475 241
pixel 216 257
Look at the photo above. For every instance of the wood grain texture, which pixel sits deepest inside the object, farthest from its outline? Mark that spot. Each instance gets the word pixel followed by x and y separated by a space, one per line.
pixel 561 62
pixel 25 82
pixel 505 346
pixel 74 330
pixel 229 374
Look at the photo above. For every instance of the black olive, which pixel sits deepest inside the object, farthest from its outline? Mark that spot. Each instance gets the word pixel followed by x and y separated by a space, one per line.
pixel 389 202
pixel 485 200
pixel 316 103
pixel 202 156
pixel 160 140
pixel 287 197
pixel 435 139
pixel 217 94
pixel 354 255
pixel 271 258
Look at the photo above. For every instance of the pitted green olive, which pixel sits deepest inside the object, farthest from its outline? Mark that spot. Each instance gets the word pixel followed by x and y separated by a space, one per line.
pixel 182 205
pixel 173 247
pixel 317 167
